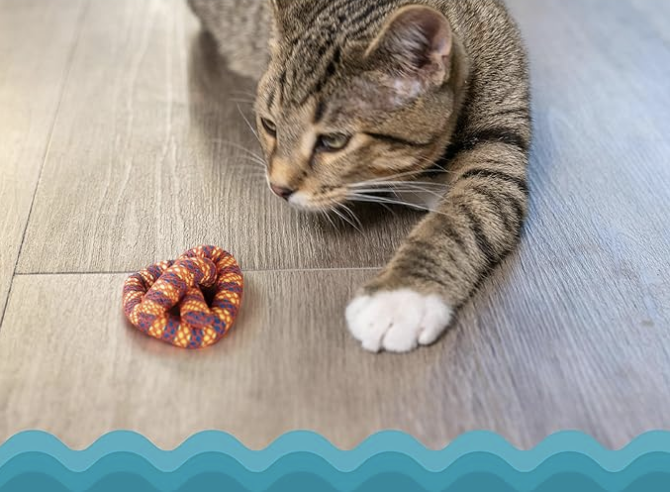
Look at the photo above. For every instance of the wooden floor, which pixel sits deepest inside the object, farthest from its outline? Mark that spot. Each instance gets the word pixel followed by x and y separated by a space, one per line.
pixel 119 146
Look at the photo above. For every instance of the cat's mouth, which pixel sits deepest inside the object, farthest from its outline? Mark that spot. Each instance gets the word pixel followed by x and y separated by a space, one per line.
pixel 338 199
pixel 418 196
pixel 321 203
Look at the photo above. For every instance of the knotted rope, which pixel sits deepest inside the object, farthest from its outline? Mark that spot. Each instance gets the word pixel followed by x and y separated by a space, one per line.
pixel 151 296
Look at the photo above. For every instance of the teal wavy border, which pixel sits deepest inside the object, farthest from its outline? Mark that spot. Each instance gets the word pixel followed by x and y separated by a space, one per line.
pixel 342 460
pixel 298 461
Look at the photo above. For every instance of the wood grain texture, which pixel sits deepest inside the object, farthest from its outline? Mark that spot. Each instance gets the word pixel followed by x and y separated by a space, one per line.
pixel 289 364
pixel 33 66
pixel 572 332
pixel 600 178
pixel 146 155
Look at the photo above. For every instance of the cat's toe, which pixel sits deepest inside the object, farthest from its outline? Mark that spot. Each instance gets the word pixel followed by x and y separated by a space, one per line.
pixel 397 321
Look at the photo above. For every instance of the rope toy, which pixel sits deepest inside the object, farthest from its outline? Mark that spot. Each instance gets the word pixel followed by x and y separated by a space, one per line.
pixel 150 296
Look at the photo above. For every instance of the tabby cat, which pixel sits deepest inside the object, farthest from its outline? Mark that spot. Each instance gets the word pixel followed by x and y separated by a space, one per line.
pixel 376 100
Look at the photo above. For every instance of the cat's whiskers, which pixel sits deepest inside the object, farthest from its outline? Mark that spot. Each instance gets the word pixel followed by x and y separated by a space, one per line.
pixel 346 219
pixel 361 197
pixel 257 163
pixel 438 193
pixel 396 177
pixel 351 213
pixel 250 156
pixel 418 185
pixel 244 93
pixel 249 124
pixel 243 101
pixel 407 174
pixel 247 169
pixel 325 214
pixel 237 146
pixel 397 181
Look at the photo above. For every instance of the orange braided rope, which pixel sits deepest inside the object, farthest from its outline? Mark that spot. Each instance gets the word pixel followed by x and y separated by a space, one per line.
pixel 150 295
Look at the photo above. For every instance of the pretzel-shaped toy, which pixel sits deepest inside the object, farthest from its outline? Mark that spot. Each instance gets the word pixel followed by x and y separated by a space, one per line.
pixel 150 296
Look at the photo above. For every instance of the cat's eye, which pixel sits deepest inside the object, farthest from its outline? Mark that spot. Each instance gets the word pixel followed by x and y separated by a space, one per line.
pixel 269 126
pixel 333 142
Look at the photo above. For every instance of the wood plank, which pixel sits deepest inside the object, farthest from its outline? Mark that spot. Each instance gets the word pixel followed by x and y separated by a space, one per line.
pixel 145 156
pixel 599 174
pixel 36 39
pixel 572 332
pixel 525 367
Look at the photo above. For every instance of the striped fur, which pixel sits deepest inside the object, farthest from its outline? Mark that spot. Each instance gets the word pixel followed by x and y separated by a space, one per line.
pixel 422 106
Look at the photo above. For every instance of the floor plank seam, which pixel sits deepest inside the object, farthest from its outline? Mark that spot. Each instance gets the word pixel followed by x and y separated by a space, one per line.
pixel 286 270
pixel 66 79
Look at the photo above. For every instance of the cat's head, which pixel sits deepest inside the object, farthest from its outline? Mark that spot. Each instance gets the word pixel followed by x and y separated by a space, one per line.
pixel 354 95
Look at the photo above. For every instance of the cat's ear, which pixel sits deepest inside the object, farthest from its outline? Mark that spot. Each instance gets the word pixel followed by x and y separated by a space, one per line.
pixel 415 44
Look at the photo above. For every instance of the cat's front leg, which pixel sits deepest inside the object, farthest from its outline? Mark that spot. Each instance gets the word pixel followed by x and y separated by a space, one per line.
pixel 408 304
pixel 412 302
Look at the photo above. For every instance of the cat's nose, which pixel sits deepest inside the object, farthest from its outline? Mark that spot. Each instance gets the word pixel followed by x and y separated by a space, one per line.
pixel 282 192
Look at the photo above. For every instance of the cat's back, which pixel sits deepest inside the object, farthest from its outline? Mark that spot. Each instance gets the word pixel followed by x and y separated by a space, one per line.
pixel 484 26
pixel 241 29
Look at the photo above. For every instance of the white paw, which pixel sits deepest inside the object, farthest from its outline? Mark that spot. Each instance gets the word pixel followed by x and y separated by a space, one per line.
pixel 397 321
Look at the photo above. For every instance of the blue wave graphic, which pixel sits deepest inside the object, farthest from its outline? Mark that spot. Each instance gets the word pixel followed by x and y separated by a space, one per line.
pixel 300 461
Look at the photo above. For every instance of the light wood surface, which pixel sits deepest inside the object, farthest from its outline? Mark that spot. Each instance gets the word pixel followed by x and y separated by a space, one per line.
pixel 290 365
pixel 33 66
pixel 142 155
